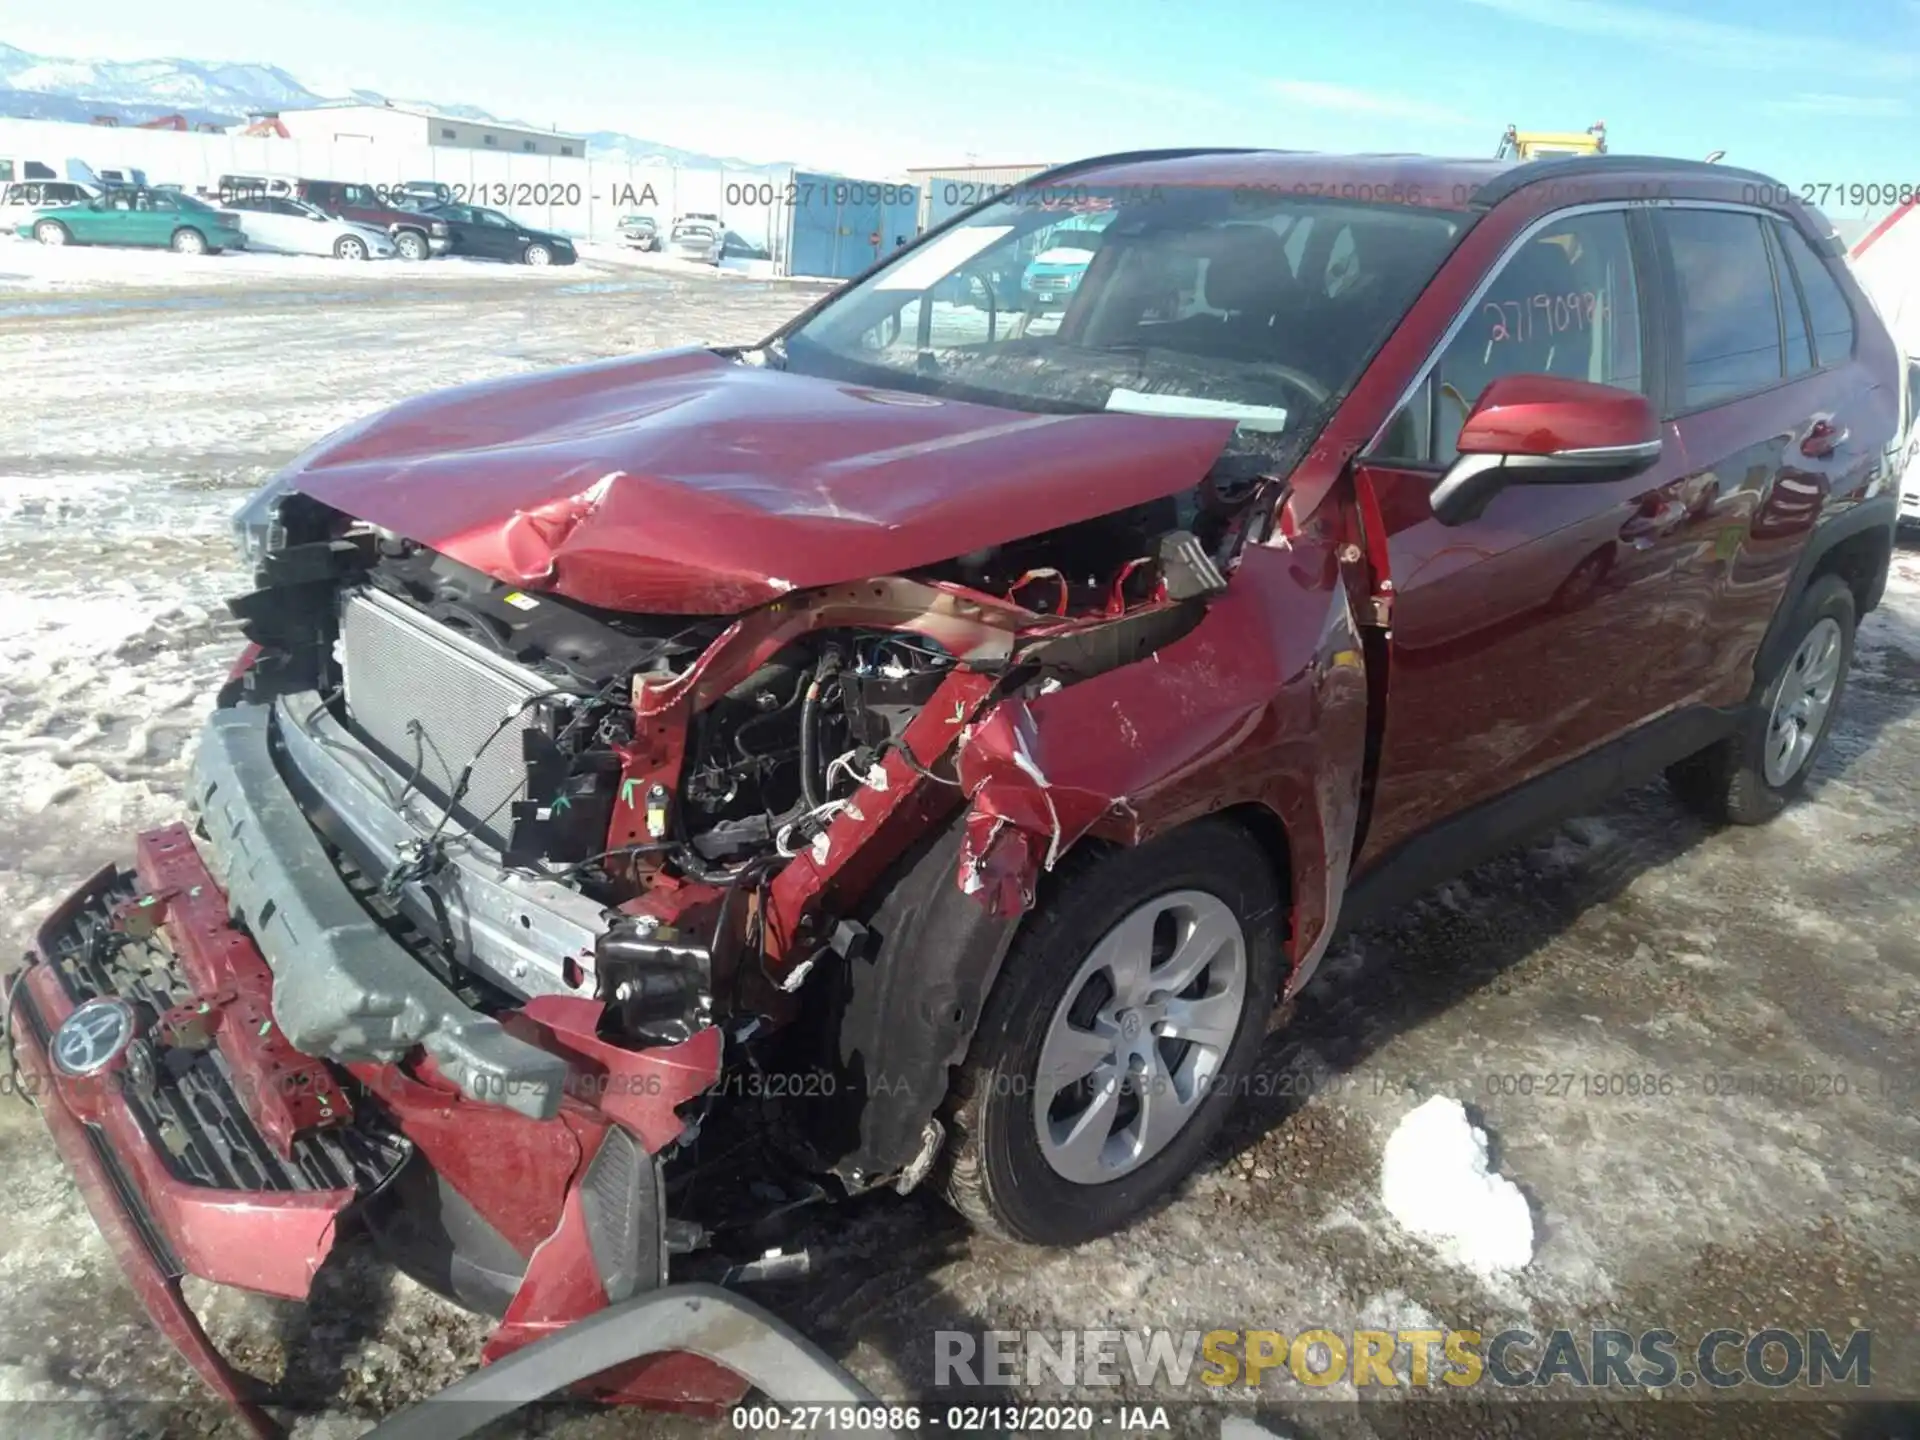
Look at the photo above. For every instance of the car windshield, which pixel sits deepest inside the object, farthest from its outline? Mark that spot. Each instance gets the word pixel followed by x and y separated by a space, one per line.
pixel 1198 301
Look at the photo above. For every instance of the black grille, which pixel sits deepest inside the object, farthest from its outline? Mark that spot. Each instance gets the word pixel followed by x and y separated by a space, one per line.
pixel 192 1114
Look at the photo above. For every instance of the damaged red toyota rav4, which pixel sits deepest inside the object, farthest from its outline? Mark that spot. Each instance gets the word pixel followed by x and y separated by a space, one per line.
pixel 926 747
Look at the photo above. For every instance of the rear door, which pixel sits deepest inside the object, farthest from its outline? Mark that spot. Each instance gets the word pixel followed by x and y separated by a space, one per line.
pixel 158 216
pixel 1531 635
pixel 495 236
pixel 257 222
pixel 1767 407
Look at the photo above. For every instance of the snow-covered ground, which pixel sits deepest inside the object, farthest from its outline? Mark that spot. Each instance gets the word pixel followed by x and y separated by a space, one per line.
pixel 1635 942
pixel 26 265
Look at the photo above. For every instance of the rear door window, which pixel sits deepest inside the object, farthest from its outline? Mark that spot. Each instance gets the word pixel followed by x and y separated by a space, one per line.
pixel 1827 304
pixel 1729 310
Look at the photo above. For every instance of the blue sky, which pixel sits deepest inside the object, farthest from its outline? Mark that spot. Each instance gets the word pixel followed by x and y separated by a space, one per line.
pixel 1811 93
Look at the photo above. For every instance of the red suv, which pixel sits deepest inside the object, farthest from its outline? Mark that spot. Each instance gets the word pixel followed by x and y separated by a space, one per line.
pixel 927 746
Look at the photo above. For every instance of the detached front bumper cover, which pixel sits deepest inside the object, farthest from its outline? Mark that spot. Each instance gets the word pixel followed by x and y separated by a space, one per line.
pixel 160 1223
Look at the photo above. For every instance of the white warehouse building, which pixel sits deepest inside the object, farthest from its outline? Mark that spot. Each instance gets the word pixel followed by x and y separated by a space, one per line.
pixel 399 125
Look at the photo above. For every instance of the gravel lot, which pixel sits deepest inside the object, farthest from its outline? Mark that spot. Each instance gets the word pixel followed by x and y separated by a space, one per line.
pixel 142 406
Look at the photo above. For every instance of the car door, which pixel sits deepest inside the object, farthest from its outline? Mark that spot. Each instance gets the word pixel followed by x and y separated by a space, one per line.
pixel 1768 409
pixel 457 220
pixel 257 222
pixel 1530 635
pixel 301 231
pixel 495 236
pixel 156 217
pixel 104 221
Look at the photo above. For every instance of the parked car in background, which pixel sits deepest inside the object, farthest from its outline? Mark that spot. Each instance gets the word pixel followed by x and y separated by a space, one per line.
pixel 416 234
pixel 128 215
pixel 293 227
pixel 640 231
pixel 697 237
pixel 228 186
pixel 22 200
pixel 1054 274
pixel 490 235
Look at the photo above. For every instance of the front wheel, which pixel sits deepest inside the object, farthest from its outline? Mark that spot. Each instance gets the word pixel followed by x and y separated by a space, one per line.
pixel 189 242
pixel 1748 778
pixel 351 247
pixel 412 245
pixel 537 255
pixel 51 232
pixel 1102 1068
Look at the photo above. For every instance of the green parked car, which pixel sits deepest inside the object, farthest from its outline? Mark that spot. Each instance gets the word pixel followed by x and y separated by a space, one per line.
pixel 127 215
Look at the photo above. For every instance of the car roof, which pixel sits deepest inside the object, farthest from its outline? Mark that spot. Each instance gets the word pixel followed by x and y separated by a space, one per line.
pixel 1426 180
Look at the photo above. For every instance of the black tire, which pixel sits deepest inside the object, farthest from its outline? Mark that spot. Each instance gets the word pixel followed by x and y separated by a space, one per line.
pixel 189 241
pixel 545 254
pixel 1727 782
pixel 412 245
pixel 994 1173
pixel 52 232
pixel 350 247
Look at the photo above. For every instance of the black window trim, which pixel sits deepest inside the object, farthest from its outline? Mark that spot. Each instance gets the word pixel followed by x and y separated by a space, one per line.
pixel 1680 410
pixel 1806 306
pixel 1783 266
pixel 1652 336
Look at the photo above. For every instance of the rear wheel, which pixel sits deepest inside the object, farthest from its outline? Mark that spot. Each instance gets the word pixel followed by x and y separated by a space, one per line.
pixel 412 245
pixel 51 232
pixel 1102 1068
pixel 351 247
pixel 187 241
pixel 1749 777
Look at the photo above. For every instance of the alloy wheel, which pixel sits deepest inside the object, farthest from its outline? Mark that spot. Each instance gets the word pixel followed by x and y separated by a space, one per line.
pixel 1144 1026
pixel 1801 703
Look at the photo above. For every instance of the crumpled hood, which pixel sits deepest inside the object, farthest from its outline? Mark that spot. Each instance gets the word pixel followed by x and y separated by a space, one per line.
pixel 687 483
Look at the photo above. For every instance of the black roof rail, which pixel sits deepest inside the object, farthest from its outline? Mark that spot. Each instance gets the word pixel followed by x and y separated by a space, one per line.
pixel 1573 167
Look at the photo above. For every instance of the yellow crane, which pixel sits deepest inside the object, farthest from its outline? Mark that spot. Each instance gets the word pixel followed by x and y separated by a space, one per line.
pixel 1521 144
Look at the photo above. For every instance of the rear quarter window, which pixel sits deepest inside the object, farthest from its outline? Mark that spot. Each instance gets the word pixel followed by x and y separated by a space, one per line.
pixel 1827 307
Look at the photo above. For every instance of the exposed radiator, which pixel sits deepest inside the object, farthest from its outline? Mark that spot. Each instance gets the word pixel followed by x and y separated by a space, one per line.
pixel 400 666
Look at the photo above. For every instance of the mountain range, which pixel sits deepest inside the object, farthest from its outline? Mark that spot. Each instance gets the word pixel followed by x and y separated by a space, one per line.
pixel 45 87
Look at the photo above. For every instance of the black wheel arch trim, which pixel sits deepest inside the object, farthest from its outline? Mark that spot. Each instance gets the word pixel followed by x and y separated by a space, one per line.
pixel 901 1015
pixel 1881 512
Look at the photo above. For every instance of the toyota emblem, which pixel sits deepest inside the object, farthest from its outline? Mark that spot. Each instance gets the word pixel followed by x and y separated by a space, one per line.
pixel 92 1037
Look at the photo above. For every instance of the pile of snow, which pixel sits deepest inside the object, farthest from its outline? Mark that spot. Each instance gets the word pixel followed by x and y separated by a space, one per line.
pixel 1434 1180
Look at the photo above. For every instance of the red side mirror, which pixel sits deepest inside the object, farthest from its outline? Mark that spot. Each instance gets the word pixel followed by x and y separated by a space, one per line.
pixel 1548 415
pixel 1540 429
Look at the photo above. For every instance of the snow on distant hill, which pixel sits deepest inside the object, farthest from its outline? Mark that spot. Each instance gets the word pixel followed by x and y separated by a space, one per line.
pixel 44 87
